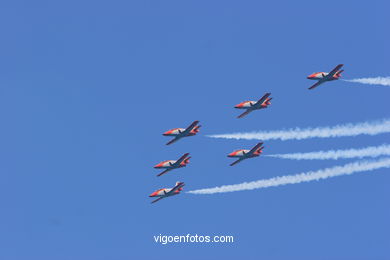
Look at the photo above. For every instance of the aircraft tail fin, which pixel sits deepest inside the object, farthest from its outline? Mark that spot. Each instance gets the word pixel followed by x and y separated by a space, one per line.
pixel 338 74
pixel 259 151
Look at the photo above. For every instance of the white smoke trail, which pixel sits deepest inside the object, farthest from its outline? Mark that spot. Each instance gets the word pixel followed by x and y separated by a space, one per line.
pixel 384 81
pixel 346 169
pixel 365 128
pixel 371 151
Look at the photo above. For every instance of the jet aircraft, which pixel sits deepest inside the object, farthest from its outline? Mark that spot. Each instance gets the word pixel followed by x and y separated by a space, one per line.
pixel 323 77
pixel 163 193
pixel 246 154
pixel 250 106
pixel 178 133
pixel 172 164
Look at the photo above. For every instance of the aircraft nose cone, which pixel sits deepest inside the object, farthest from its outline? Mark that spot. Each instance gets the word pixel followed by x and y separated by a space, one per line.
pixel 168 132
pixel 153 194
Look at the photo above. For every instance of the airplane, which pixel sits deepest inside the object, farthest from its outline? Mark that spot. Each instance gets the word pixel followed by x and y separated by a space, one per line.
pixel 263 102
pixel 323 77
pixel 172 164
pixel 163 193
pixel 178 133
pixel 246 154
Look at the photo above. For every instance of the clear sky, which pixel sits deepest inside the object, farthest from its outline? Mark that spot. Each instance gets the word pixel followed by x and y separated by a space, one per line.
pixel 88 87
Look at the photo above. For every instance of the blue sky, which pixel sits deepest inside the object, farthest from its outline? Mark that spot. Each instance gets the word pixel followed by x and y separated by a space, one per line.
pixel 88 87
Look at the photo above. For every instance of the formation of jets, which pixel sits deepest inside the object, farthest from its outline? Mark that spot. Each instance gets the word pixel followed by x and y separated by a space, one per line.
pixel 241 154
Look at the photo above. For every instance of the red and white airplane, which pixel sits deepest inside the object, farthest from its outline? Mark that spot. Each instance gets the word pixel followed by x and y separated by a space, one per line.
pixel 263 102
pixel 172 164
pixel 178 133
pixel 323 77
pixel 163 193
pixel 246 154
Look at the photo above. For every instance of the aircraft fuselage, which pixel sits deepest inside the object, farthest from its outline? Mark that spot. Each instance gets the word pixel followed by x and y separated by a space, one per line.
pixel 323 76
pixel 169 164
pixel 179 131
pixel 164 193
pixel 251 105
pixel 244 154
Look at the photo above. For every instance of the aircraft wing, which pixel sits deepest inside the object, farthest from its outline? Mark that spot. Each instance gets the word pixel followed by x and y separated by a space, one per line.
pixel 181 159
pixel 257 146
pixel 174 140
pixel 337 68
pixel 157 200
pixel 164 172
pixel 317 84
pixel 189 128
pixel 245 113
pixel 261 100
pixel 239 160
